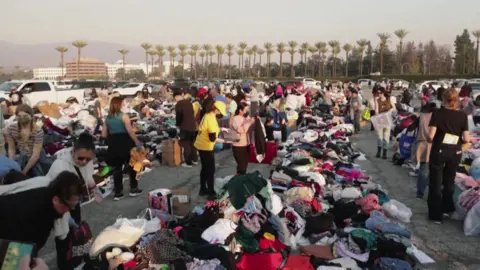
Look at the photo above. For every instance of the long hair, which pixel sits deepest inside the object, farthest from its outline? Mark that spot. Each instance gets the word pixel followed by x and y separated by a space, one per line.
pixel 450 99
pixel 241 106
pixel 115 106
pixel 26 109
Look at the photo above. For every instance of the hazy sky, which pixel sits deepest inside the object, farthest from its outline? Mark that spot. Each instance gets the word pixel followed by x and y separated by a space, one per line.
pixel 214 21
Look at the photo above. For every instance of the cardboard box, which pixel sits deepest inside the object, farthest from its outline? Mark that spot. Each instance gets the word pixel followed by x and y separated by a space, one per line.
pixel 177 202
pixel 171 153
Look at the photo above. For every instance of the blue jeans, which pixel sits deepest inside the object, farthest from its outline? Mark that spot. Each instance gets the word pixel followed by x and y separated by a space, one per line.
pixel 383 135
pixel 422 180
pixel 40 168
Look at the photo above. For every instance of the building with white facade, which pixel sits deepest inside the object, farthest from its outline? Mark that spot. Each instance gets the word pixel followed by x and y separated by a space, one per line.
pixel 49 73
pixel 113 68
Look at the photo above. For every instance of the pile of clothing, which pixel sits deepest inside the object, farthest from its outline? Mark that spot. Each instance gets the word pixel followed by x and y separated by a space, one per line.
pixel 316 210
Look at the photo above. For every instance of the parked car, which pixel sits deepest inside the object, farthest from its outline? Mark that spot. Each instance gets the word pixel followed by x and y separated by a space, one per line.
pixel 399 84
pixel 435 84
pixel 309 82
pixel 35 91
pixel 366 83
pixel 132 89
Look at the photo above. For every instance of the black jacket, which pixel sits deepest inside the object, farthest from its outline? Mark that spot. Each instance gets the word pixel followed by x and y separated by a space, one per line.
pixel 27 216
pixel 184 115
pixel 206 104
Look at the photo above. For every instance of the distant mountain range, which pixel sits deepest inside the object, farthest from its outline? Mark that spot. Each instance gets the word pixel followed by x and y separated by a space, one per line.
pixel 45 55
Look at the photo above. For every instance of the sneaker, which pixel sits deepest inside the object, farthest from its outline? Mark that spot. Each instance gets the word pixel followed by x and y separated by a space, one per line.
pixel 202 193
pixel 135 192
pixel 419 196
pixel 118 197
pixel 185 165
pixel 437 222
pixel 194 163
pixel 413 174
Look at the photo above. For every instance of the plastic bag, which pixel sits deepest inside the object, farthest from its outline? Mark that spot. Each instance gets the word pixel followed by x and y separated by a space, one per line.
pixel 397 210
pixel 471 225
pixel 366 114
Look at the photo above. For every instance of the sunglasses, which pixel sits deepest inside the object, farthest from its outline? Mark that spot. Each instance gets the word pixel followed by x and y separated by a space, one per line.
pixel 65 203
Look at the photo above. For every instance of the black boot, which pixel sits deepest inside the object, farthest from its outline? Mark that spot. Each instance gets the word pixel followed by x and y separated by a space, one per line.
pixel 379 149
pixel 384 154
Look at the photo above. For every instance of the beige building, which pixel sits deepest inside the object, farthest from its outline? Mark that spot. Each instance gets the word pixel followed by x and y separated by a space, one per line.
pixel 89 69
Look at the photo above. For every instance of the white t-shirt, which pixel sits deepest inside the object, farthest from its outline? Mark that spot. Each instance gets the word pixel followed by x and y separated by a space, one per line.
pixel 291 102
pixel 254 95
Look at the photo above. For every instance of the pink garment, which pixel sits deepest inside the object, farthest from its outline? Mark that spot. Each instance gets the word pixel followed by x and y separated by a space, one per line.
pixel 469 198
pixel 466 180
pixel 241 125
pixel 369 203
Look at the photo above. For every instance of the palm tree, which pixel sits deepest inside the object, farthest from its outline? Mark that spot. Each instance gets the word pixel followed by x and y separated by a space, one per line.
pixel 240 54
pixel 79 44
pixel 62 51
pixel 313 50
pixel 305 46
pixel 249 53
pixel 202 55
pixel 281 50
pixel 362 44
pixel 292 45
pixel 172 54
pixel 335 45
pixel 207 48
pixel 347 48
pixel 195 48
pixel 383 45
pixel 260 53
pixel 255 50
pixel 183 52
pixel 152 54
pixel 211 54
pixel 322 49
pixel 161 54
pixel 123 52
pixel 269 50
pixel 243 48
pixel 192 54
pixel 230 48
pixel 476 34
pixel 146 47
pixel 220 51
pixel 302 52
pixel 401 34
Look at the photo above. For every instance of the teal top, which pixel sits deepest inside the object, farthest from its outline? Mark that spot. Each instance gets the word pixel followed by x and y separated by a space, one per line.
pixel 115 124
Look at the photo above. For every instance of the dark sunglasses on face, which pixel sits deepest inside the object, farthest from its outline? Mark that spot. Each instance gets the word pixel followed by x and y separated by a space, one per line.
pixel 69 206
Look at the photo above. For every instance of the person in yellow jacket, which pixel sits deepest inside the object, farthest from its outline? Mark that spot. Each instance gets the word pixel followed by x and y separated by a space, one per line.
pixel 208 131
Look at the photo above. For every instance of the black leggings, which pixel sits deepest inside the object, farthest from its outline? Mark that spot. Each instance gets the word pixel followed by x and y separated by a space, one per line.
pixel 208 171
pixel 241 156
pixel 118 178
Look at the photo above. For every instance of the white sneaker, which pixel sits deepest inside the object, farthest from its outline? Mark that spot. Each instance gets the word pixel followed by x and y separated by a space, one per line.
pixel 194 163
pixel 185 165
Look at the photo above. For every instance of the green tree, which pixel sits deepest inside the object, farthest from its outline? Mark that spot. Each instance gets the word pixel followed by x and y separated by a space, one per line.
pixel 281 50
pixel 401 34
pixel 312 50
pixel 249 53
pixel 152 54
pixel 195 48
pixel 243 48
pixel 476 34
pixel 302 68
pixel 146 47
pixel 269 51
pixel 183 52
pixel 120 74
pixel 260 52
pixel 240 53
pixel 220 51
pixel 463 45
pixel 211 54
pixel 160 53
pixel 230 48
pixel 362 44
pixel 79 44
pixel 172 54
pixel 322 50
pixel 292 45
pixel 347 48
pixel 62 51
pixel 305 46
pixel 123 52
pixel 202 55
pixel 335 45
pixel 384 37
pixel 192 55
pixel 207 48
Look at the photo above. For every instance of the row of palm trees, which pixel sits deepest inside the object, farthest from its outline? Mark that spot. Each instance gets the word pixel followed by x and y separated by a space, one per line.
pixel 207 51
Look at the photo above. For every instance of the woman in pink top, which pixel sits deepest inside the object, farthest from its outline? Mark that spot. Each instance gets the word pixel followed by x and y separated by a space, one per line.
pixel 241 124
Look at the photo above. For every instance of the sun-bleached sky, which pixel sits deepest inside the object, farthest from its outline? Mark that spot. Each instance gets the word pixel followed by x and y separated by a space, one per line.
pixel 132 22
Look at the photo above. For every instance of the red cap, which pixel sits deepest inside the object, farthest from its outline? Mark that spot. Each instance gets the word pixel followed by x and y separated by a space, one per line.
pixel 201 91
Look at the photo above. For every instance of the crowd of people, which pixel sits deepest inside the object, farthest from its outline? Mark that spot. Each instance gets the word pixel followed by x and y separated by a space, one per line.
pixel 43 191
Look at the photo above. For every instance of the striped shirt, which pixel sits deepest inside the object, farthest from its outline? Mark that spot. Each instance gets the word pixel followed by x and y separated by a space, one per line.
pixel 25 146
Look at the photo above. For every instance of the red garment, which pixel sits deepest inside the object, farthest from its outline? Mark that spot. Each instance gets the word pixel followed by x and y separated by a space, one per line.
pixel 275 244
pixel 308 100
pixel 48 123
pixel 263 261
pixel 297 263
pixel 316 206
